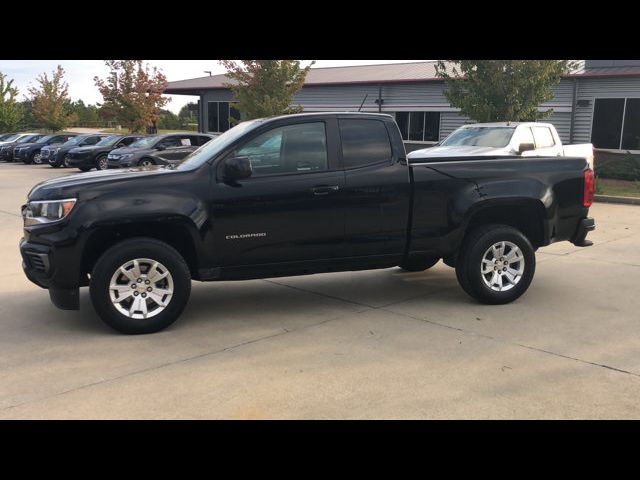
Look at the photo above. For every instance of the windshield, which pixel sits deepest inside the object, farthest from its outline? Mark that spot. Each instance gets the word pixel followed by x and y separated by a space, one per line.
pixel 496 137
pixel 145 142
pixel 108 141
pixel 75 140
pixel 46 138
pixel 29 138
pixel 12 138
pixel 216 145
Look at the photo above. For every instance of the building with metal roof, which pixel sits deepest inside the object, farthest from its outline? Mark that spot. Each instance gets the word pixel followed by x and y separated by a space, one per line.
pixel 598 102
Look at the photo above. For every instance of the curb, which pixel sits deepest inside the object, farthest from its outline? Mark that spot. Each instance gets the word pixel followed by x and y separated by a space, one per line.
pixel 612 199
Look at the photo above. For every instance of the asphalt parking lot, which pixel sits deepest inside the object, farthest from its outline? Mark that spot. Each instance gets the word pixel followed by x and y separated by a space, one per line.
pixel 373 344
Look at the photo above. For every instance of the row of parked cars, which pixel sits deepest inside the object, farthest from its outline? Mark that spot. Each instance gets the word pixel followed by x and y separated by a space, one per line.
pixel 99 151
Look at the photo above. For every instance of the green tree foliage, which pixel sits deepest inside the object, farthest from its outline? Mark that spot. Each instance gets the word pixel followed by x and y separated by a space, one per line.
pixel 88 115
pixel 50 101
pixel 132 93
pixel 11 112
pixel 501 90
pixel 264 88
pixel 187 112
pixel 169 121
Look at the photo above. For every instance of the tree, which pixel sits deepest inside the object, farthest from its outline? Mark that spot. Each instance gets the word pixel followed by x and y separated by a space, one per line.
pixel 132 93
pixel 265 88
pixel 10 109
pixel 50 102
pixel 501 90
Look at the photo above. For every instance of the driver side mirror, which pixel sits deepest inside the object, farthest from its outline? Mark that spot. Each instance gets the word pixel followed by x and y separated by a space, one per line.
pixel 237 168
pixel 161 147
pixel 525 147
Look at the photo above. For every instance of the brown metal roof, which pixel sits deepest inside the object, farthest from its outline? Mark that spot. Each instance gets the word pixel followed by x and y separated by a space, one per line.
pixel 381 73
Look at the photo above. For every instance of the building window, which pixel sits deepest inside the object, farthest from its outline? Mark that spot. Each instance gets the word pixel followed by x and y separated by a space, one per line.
pixel 419 126
pixel 221 115
pixel 616 123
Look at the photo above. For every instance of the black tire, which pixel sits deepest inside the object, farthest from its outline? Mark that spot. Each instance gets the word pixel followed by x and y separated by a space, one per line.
pixel 419 267
pixel 469 263
pixel 145 162
pixel 29 160
pixel 33 158
pixel 120 254
pixel 84 169
pixel 100 162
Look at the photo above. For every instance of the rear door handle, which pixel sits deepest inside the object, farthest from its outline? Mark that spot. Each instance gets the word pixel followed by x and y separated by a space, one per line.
pixel 324 189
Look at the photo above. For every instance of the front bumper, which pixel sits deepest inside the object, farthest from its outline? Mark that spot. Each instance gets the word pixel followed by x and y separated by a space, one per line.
pixel 39 267
pixel 585 226
pixel 20 156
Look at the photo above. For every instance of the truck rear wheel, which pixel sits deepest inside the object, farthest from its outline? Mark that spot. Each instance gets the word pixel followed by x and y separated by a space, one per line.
pixel 419 267
pixel 496 264
pixel 140 285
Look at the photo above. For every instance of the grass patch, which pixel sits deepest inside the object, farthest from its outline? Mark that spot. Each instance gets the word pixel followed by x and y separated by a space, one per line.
pixel 617 188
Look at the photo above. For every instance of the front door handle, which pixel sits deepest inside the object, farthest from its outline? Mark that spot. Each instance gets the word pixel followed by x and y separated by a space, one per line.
pixel 324 189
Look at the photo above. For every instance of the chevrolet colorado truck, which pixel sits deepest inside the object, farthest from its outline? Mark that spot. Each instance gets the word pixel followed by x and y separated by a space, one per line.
pixel 527 139
pixel 295 195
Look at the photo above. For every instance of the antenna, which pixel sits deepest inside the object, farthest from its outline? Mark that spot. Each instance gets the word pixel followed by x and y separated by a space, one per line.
pixel 364 100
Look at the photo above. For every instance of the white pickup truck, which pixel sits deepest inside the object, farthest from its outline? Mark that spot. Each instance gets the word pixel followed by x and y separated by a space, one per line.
pixel 527 139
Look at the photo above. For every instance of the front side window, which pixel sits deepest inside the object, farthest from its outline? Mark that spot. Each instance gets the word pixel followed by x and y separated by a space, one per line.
pixel 522 135
pixel 170 142
pixel 300 148
pixel 364 142
pixel 543 137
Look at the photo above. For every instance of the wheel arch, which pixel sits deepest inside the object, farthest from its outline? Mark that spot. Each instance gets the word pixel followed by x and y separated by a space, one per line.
pixel 525 214
pixel 176 233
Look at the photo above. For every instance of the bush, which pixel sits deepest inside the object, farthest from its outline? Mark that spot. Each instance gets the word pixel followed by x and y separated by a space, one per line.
pixel 619 166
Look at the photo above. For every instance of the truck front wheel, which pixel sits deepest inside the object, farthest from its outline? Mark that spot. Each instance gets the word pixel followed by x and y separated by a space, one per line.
pixel 496 264
pixel 140 285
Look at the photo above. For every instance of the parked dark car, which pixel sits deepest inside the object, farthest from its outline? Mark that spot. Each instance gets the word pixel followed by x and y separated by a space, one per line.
pixel 332 192
pixel 56 154
pixel 5 136
pixel 30 152
pixel 7 147
pixel 95 156
pixel 165 149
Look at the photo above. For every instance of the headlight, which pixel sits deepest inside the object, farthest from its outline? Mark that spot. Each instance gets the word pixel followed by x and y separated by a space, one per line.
pixel 47 211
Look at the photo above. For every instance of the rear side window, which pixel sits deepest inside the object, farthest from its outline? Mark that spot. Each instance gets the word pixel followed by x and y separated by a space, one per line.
pixel 543 137
pixel 364 142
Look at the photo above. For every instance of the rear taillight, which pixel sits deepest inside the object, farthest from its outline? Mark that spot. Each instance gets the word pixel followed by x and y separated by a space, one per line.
pixel 589 187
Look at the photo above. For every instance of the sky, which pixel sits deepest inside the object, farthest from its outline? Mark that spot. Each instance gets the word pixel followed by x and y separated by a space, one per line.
pixel 79 74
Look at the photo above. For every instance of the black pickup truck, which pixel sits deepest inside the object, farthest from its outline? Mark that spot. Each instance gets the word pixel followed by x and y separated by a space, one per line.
pixel 296 195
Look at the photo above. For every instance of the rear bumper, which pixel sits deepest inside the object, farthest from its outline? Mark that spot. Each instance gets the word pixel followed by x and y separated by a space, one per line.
pixel 585 226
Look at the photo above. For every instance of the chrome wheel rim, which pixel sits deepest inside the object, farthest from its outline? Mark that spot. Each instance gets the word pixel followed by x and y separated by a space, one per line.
pixel 141 288
pixel 146 163
pixel 103 163
pixel 66 161
pixel 37 158
pixel 502 266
